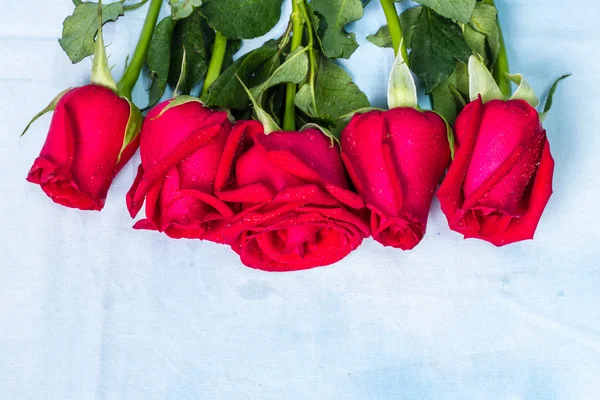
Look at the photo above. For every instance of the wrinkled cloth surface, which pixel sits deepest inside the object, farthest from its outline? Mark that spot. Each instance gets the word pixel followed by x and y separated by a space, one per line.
pixel 93 309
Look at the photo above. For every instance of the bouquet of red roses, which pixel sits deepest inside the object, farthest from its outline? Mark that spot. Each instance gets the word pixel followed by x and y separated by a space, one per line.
pixel 277 153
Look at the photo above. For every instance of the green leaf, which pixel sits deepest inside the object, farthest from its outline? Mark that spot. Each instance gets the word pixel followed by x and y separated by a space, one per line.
pixel 402 91
pixel 451 96
pixel 335 93
pixel 80 29
pixel 181 9
pixel 294 70
pixel 275 103
pixel 265 119
pixel 242 19
pixel 265 72
pixel 49 107
pixel 334 15
pixel 482 33
pixel 477 43
pixel 226 91
pixel 408 21
pixel 382 37
pixel 457 10
pixel 193 34
pixel 135 6
pixel 437 45
pixel 524 91
pixel 548 105
pixel 481 82
pixel 159 59
pixel 233 46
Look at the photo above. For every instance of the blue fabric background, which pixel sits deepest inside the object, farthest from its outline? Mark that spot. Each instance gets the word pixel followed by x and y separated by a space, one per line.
pixel 90 309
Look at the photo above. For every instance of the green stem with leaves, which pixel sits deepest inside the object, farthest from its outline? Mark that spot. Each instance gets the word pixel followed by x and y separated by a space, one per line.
pixel 393 20
pixel 312 59
pixel 501 67
pixel 289 117
pixel 132 73
pixel 216 61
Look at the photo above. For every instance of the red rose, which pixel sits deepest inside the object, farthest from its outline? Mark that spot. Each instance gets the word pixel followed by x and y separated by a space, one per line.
pixel 396 159
pixel 294 207
pixel 501 178
pixel 180 152
pixel 85 148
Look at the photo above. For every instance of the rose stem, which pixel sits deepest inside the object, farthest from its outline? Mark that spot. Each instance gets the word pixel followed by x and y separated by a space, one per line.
pixel 289 118
pixel 501 67
pixel 216 61
pixel 132 73
pixel 393 20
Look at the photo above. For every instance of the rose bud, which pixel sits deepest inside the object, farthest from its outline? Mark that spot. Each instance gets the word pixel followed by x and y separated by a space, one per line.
pixel 501 179
pixel 180 148
pixel 94 129
pixel 294 208
pixel 396 159
pixel 87 145
pixel 93 133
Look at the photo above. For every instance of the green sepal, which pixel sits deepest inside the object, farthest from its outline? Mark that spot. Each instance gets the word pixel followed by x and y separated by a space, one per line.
pixel 181 79
pixel 524 91
pixel 263 117
pixel 451 139
pixel 334 139
pixel 50 107
pixel 457 95
pixel 481 82
pixel 548 104
pixel 178 101
pixel 134 125
pixel 402 91
pixel 100 70
pixel 450 135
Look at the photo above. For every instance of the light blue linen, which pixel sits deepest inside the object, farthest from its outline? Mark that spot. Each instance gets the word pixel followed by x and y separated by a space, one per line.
pixel 90 309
